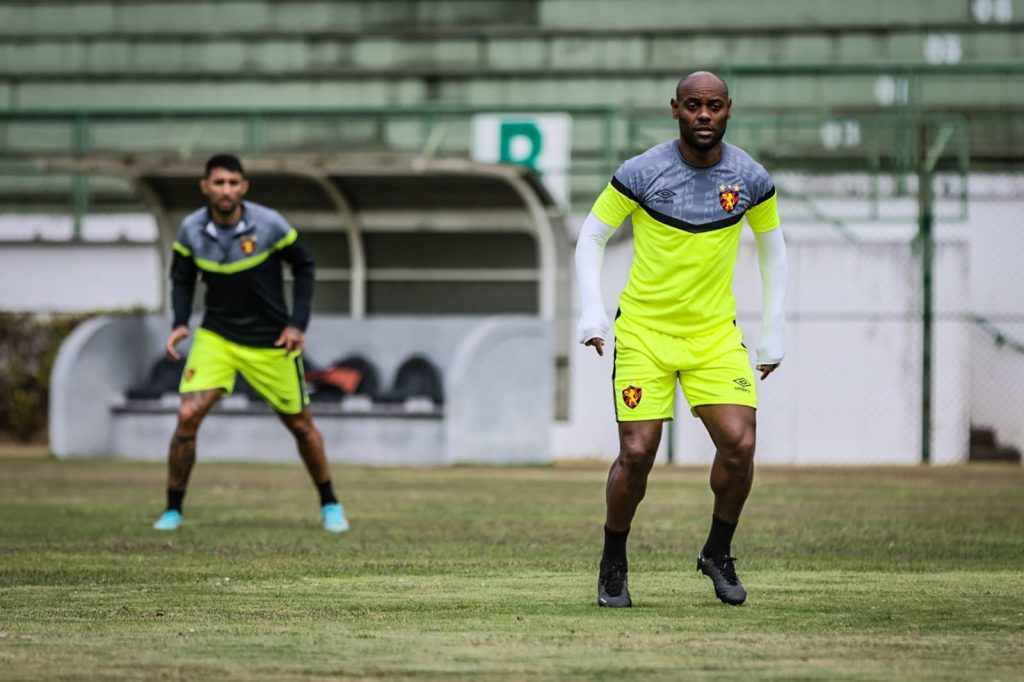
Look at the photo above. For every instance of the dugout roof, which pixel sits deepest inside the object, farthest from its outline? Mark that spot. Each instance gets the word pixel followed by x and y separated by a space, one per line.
pixel 391 233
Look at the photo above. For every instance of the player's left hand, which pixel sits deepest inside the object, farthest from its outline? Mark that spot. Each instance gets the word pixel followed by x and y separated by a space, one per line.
pixel 598 343
pixel 292 339
pixel 765 370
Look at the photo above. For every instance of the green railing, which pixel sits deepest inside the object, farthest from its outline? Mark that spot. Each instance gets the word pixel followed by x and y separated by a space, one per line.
pixel 602 137
pixel 860 131
pixel 999 337
pixel 442 130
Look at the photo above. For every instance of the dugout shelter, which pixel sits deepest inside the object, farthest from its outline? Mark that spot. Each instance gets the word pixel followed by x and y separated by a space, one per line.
pixel 461 263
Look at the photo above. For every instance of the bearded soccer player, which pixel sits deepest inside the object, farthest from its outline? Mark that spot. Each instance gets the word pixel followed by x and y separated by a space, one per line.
pixel 676 319
pixel 239 248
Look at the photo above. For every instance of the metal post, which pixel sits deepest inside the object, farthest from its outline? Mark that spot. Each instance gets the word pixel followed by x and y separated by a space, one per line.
pixel 670 433
pixel 253 132
pixel 610 150
pixel 875 172
pixel 926 243
pixel 80 181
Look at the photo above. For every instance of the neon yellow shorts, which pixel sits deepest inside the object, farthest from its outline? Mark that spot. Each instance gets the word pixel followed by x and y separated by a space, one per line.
pixel 276 374
pixel 713 369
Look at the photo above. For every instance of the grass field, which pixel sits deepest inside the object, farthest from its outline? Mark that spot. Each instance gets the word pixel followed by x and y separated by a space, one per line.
pixel 490 573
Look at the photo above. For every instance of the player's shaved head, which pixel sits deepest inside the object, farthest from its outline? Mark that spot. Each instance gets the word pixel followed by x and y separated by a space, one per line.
pixel 702 107
pixel 701 79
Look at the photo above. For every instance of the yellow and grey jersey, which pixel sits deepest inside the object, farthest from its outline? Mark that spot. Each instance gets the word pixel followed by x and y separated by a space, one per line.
pixel 241 267
pixel 686 229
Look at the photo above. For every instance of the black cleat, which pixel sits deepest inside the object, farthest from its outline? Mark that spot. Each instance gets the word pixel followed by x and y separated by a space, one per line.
pixel 722 571
pixel 613 587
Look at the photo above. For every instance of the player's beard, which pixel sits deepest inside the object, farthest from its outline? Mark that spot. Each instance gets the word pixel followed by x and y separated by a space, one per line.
pixel 689 136
pixel 224 212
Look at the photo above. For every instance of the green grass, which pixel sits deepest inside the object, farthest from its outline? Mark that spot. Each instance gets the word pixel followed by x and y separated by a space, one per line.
pixel 490 573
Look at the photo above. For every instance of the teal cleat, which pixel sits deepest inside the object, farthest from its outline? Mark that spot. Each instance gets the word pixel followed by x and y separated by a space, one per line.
pixel 334 518
pixel 169 520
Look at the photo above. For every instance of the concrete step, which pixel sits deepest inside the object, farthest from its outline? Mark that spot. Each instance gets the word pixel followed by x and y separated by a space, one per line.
pixel 983 437
pixel 519 50
pixel 212 17
pixel 994 454
pixel 754 13
pixel 984 447
pixel 627 87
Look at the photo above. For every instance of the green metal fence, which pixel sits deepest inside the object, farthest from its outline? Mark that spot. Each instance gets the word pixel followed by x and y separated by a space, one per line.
pixel 877 144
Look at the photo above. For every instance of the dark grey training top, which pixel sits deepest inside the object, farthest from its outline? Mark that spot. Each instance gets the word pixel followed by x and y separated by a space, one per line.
pixel 241 267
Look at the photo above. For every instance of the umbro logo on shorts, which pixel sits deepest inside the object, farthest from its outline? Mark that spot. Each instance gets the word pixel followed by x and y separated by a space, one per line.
pixel 741 384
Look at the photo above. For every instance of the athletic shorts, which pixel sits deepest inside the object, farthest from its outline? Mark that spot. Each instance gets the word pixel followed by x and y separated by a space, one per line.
pixel 276 374
pixel 713 369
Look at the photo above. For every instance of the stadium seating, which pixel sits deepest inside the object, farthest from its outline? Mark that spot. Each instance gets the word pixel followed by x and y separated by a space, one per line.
pixel 353 375
pixel 417 378
pixel 163 378
pixel 782 57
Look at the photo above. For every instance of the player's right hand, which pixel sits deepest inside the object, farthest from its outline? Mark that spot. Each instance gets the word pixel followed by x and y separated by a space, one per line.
pixel 177 335
pixel 598 344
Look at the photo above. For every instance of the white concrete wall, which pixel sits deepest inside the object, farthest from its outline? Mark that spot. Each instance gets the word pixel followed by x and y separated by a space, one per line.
pixel 79 278
pixel 849 389
pixel 115 266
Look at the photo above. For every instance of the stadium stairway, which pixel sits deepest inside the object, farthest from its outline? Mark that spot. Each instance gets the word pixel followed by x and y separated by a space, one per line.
pixel 984 447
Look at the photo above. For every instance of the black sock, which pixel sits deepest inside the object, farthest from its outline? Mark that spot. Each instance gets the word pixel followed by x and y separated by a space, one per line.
pixel 174 499
pixel 614 546
pixel 326 491
pixel 719 539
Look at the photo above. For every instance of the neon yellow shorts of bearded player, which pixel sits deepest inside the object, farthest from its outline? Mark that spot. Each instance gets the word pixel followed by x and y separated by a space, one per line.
pixel 276 374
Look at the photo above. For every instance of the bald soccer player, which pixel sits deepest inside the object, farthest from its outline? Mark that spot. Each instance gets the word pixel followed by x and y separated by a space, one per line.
pixel 677 318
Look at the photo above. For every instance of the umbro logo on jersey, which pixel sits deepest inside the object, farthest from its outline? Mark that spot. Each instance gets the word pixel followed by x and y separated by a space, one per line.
pixel 664 196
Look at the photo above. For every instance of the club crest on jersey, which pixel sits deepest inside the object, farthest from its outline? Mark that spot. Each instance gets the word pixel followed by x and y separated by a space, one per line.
pixel 729 197
pixel 249 245
pixel 631 396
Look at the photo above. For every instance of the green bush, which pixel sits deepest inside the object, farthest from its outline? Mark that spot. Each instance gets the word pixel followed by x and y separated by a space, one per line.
pixel 28 349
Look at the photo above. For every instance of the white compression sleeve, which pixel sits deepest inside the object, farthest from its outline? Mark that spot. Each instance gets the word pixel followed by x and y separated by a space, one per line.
pixel 771 259
pixel 594 234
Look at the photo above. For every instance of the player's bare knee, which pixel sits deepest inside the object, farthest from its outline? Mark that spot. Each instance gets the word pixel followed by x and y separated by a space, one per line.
pixel 302 427
pixel 738 439
pixel 738 453
pixel 636 457
pixel 189 419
